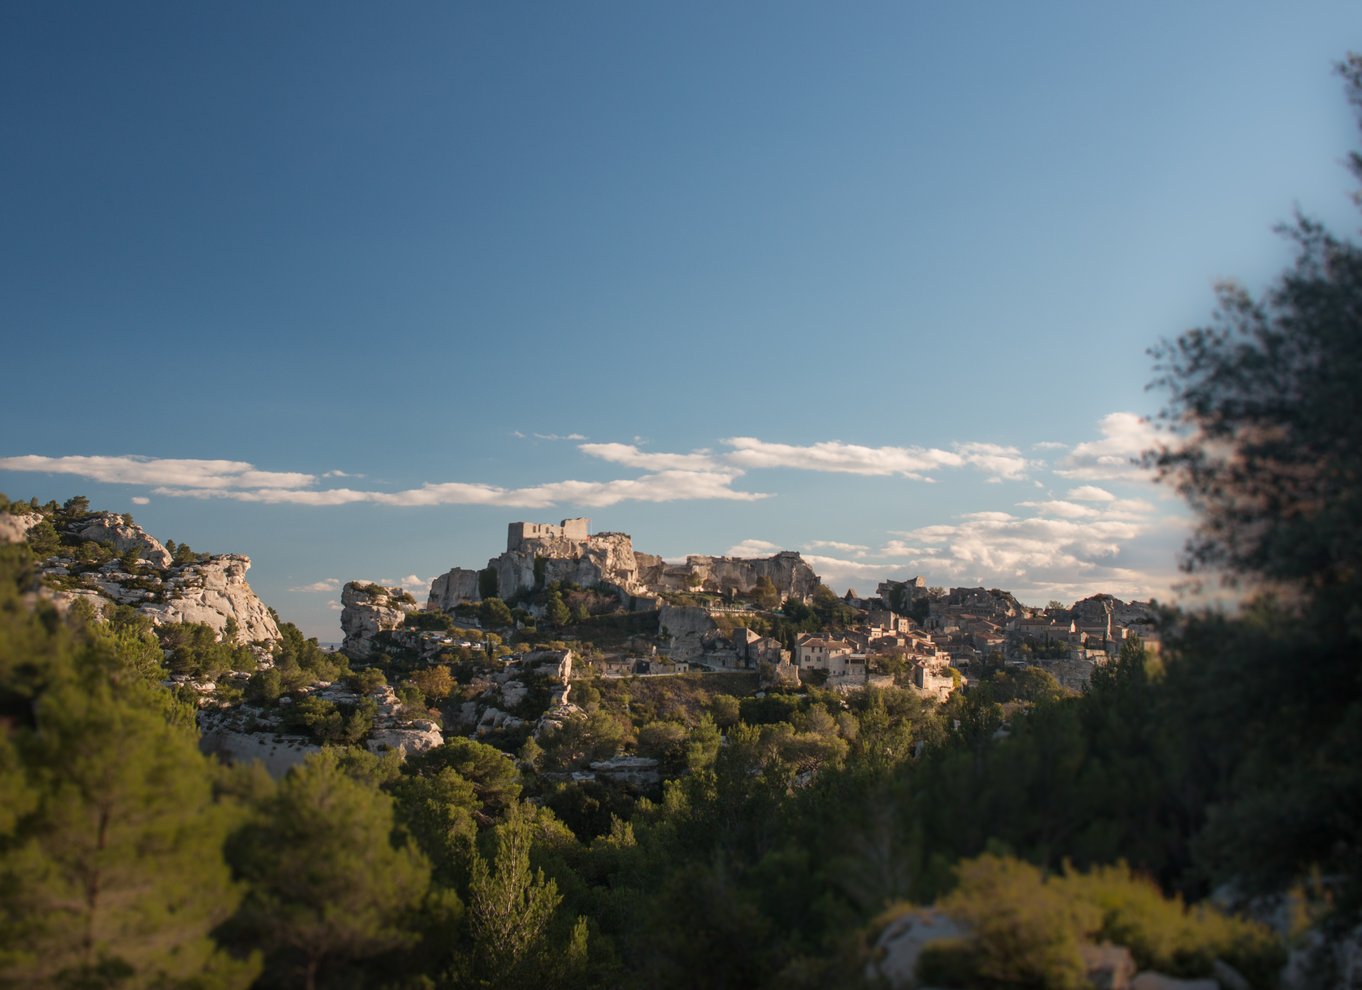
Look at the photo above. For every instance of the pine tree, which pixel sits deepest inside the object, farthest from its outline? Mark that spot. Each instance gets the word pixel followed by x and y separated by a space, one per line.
pixel 326 882
pixel 510 908
pixel 111 841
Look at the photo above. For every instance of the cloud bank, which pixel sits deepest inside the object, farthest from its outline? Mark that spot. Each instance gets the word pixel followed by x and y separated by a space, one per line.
pixel 663 476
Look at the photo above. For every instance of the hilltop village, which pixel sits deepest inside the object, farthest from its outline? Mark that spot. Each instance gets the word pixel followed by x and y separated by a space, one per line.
pixel 520 648
pixel 570 608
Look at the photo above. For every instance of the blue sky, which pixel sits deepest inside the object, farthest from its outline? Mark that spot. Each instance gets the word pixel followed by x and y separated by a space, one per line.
pixel 349 287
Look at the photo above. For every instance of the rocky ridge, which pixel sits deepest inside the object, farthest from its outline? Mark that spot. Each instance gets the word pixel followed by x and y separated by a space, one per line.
pixel 211 590
pixel 242 733
pixel 565 554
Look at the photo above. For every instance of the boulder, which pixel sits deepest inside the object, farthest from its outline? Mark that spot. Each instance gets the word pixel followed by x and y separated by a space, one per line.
pixel 635 772
pixel 900 945
pixel 1110 967
pixel 513 693
pixel 110 528
pixel 366 611
pixel 14 528
pixel 417 737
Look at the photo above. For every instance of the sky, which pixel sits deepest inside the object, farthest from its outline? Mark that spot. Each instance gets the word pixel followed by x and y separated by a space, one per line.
pixel 349 287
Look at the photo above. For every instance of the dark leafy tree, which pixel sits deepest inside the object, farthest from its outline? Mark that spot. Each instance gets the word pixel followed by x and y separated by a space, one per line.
pixel 111 840
pixel 557 611
pixel 1263 410
pixel 494 613
pixel 1264 405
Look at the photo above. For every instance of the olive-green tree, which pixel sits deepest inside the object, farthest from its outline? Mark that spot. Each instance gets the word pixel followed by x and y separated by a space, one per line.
pixel 327 885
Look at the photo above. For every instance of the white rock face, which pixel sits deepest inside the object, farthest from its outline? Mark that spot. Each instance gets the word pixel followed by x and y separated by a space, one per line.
pixel 274 751
pixel 415 738
pixel 368 610
pixel 63 600
pixel 639 772
pixel 513 693
pixel 109 527
pixel 900 945
pixel 14 528
pixel 212 592
pixel 244 733
pixel 686 628
pixel 494 719
pixel 453 588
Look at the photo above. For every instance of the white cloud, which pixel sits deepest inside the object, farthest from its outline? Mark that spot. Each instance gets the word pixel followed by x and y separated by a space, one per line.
pixel 673 477
pixel 915 463
pixel 1115 457
pixel 898 548
pixel 630 456
pixel 325 584
pixel 839 573
pixel 856 549
pixel 557 436
pixel 335 606
pixel 140 500
pixel 1090 493
pixel 998 462
pixel 753 548
pixel 132 469
pixel 1049 445
pixel 1056 552
pixel 663 486
pixel 1063 509
pixel 844 458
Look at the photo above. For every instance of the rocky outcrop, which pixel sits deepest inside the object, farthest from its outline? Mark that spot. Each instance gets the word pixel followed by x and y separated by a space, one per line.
pixel 637 773
pixel 14 528
pixel 782 676
pixel 208 590
pixel 453 588
pixel 246 733
pixel 989 603
pixel 366 611
pixel 900 945
pixel 538 554
pixel 787 571
pixel 215 593
pixel 685 630
pixel 604 559
pixel 112 529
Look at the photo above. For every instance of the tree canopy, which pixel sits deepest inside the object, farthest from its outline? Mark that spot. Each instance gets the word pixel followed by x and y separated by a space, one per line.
pixel 1264 406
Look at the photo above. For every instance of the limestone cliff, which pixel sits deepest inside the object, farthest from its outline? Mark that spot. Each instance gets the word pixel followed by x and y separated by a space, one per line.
pixel 605 558
pixel 214 592
pixel 685 630
pixel 209 590
pixel 792 577
pixel 366 611
pixel 452 588
pixel 538 553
